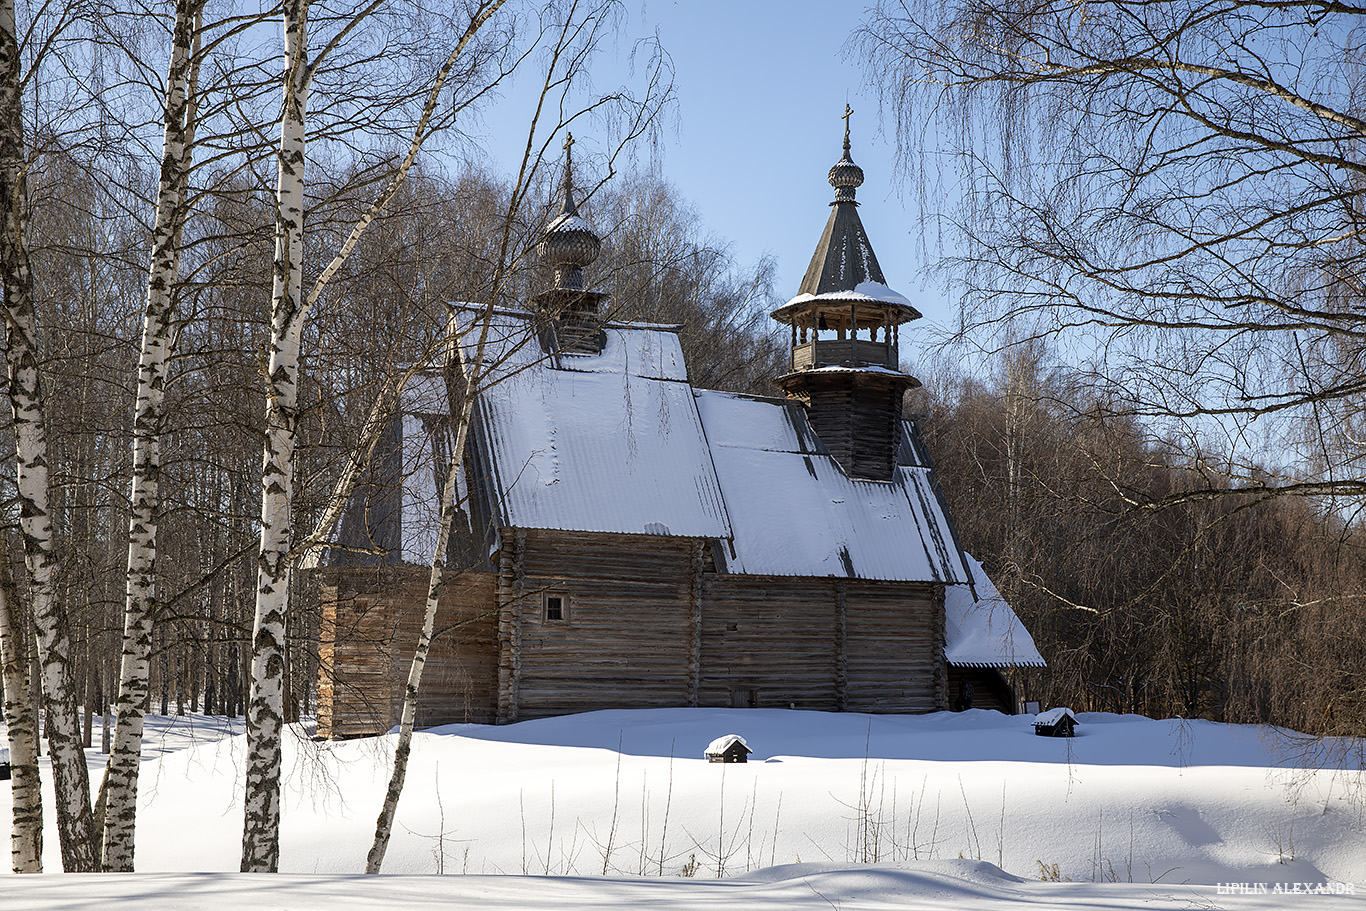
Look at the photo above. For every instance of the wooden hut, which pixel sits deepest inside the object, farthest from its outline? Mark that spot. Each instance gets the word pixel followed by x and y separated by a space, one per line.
pixel 728 748
pixel 1059 722
pixel 631 541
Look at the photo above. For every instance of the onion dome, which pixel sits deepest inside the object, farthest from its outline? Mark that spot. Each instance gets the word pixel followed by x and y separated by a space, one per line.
pixel 845 176
pixel 570 243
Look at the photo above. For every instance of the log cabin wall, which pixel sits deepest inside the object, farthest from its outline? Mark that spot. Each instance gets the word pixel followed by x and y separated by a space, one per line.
pixel 857 416
pixel 625 640
pixel 895 636
pixel 645 623
pixel 371 620
pixel 768 642
pixel 991 690
pixel 825 644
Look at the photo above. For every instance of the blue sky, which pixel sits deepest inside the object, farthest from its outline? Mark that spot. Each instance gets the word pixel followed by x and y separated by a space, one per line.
pixel 761 91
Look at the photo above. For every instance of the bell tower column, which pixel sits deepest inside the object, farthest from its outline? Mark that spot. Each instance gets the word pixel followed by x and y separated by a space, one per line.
pixel 844 325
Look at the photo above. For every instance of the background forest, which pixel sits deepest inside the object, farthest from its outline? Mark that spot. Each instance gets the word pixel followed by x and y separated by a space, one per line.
pixel 1243 608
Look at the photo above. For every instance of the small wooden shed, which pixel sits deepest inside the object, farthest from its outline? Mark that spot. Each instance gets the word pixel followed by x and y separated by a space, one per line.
pixel 730 748
pixel 1059 722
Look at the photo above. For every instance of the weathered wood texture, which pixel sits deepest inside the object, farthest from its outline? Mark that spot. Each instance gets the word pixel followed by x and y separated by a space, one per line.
pixel 646 624
pixel 779 638
pixel 626 641
pixel 371 618
pixel 856 415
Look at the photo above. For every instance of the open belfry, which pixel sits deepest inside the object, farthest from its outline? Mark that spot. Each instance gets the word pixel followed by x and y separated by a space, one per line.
pixel 627 540
pixel 844 319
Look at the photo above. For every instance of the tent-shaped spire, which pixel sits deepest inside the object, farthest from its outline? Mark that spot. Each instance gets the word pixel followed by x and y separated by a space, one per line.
pixel 844 258
pixel 845 365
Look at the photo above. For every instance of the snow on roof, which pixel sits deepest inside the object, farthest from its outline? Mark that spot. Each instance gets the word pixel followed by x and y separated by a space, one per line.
pixel 985 632
pixel 1053 716
pixel 647 350
pixel 794 512
pixel 421 495
pixel 722 743
pixel 873 292
pixel 620 442
pixel 567 222
pixel 599 443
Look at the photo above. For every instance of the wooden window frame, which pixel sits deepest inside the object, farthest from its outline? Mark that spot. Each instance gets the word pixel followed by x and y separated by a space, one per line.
pixel 563 597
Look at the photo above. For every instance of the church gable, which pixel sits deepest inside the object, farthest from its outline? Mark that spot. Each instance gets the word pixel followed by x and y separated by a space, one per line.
pixel 609 443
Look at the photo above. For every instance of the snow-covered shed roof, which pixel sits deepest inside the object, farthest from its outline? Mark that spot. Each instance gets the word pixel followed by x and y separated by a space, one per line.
pixel 794 512
pixel 723 743
pixel 984 631
pixel 610 442
pixel 1053 716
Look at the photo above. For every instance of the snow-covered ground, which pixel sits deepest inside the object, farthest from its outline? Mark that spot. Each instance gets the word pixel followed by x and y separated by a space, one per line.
pixel 618 809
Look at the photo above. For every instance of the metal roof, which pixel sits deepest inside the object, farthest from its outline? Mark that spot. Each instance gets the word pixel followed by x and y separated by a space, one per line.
pixel 794 512
pixel 984 631
pixel 620 442
pixel 598 443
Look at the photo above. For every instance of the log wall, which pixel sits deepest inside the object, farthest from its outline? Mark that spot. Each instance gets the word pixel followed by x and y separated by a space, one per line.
pixel 991 690
pixel 371 620
pixel 627 639
pixel 648 624
pixel 856 415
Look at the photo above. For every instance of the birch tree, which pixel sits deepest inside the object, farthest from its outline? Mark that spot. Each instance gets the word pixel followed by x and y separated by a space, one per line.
pixel 26 825
pixel 576 36
pixel 289 311
pixel 157 340
pixel 75 822
pixel 1175 188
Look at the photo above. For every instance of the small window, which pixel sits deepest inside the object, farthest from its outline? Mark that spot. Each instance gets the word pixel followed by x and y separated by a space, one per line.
pixel 556 607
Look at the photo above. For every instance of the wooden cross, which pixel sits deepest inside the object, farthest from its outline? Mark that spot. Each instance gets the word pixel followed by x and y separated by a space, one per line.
pixel 847 111
pixel 569 141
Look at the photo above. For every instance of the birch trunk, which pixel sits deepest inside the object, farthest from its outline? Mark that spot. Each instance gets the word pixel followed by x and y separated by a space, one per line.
pixel 26 826
pixel 70 777
pixel 265 711
pixel 384 826
pixel 121 772
pixel 265 704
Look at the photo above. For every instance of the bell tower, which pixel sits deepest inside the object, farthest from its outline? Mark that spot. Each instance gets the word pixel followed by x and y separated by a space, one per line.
pixel 845 322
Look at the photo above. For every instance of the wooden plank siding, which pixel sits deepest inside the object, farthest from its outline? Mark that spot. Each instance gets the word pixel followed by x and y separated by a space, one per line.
pixel 773 636
pixel 371 620
pixel 626 640
pixel 647 624
pixel 895 636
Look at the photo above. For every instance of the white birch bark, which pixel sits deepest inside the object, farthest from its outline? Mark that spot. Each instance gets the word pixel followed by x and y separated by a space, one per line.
pixel 121 773
pixel 26 823
pixel 265 710
pixel 265 704
pixel 71 781
pixel 384 825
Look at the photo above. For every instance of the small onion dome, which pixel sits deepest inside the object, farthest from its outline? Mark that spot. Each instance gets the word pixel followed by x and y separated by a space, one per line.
pixel 570 243
pixel 845 176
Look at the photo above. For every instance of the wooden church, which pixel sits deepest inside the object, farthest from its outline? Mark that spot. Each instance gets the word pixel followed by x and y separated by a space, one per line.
pixel 634 542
